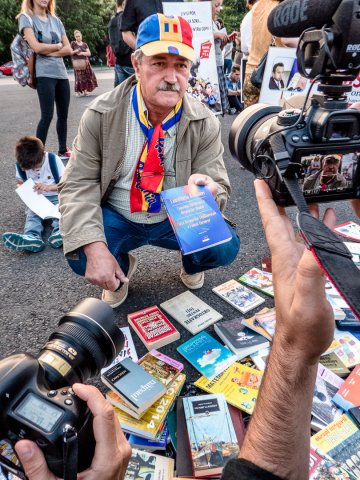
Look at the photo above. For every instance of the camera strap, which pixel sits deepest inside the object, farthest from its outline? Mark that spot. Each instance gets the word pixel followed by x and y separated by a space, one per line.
pixel 328 249
pixel 70 453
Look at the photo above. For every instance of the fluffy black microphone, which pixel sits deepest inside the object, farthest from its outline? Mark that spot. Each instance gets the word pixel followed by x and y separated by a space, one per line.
pixel 291 17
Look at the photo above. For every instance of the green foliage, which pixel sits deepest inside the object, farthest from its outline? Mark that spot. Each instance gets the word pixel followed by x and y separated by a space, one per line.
pixel 90 17
pixel 232 13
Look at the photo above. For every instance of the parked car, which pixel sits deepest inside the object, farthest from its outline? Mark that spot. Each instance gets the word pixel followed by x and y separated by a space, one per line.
pixel 6 69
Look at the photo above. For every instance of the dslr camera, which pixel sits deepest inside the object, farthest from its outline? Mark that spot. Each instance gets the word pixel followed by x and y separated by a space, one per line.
pixel 36 399
pixel 319 148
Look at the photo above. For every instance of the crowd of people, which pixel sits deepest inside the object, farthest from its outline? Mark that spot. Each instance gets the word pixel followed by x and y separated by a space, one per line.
pixel 158 136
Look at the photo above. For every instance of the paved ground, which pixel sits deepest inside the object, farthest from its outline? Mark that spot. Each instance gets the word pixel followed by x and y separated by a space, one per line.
pixel 36 289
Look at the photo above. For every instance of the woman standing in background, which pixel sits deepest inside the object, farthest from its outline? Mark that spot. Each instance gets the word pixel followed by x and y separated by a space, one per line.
pixel 85 79
pixel 45 34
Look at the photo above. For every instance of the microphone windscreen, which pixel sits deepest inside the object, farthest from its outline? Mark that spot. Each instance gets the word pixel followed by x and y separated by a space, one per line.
pixel 291 17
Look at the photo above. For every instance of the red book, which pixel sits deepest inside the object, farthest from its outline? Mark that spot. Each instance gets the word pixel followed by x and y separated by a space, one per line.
pixel 153 328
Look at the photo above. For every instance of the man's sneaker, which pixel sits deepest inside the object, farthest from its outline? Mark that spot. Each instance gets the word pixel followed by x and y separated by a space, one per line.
pixel 65 155
pixel 55 240
pixel 193 282
pixel 114 299
pixel 17 241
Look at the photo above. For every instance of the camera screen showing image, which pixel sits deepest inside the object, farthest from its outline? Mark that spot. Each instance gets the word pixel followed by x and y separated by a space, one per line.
pixel 328 173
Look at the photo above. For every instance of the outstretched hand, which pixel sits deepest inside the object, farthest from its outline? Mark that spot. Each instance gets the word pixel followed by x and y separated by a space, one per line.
pixel 304 317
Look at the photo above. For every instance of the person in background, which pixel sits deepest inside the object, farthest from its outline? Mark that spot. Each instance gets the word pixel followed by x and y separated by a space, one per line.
pixel 246 29
pixel 234 89
pixel 122 51
pixel 328 178
pixel 45 34
pixel 32 162
pixel 110 198
pixel 221 39
pixel 85 79
pixel 276 81
pixel 260 44
pixel 134 13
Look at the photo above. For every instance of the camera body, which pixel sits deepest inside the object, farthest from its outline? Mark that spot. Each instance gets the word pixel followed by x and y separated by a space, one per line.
pixel 31 409
pixel 323 136
pixel 320 147
pixel 36 399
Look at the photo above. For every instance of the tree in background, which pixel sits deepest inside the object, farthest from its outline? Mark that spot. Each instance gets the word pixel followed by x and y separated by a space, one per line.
pixel 90 17
pixel 232 13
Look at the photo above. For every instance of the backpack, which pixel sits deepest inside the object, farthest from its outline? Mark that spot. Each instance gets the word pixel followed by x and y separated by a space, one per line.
pixel 23 59
pixel 52 165
pixel 119 47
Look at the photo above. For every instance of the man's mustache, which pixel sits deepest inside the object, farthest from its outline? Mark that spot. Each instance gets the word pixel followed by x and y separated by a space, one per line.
pixel 169 87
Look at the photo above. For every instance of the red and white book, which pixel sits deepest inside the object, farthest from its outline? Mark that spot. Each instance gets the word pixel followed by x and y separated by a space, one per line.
pixel 153 328
pixel 349 230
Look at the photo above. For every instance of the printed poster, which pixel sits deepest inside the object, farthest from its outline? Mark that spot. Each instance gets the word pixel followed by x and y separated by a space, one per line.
pixel 203 81
pixel 281 77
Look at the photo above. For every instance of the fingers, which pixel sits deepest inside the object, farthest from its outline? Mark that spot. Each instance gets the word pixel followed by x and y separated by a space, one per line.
pixel 33 461
pixel 356 205
pixel 112 451
pixel 276 226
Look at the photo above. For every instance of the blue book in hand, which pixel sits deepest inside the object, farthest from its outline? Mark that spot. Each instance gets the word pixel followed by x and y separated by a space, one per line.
pixel 195 218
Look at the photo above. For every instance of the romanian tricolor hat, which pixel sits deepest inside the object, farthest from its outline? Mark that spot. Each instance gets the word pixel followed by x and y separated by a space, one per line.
pixel 161 34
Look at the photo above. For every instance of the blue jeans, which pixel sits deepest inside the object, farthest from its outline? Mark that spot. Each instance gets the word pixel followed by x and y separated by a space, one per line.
pixel 122 73
pixel 34 225
pixel 122 236
pixel 227 66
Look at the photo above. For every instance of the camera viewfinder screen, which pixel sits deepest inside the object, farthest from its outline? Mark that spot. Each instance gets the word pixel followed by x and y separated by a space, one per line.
pixel 41 413
pixel 328 173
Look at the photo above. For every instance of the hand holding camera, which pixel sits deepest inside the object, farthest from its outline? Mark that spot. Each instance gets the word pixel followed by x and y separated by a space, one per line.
pixel 112 451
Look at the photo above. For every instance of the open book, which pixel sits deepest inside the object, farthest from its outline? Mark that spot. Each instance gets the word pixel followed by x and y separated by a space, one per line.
pixel 37 203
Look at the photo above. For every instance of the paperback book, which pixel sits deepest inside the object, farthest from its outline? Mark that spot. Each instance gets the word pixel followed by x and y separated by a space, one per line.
pixel 349 350
pixel 348 395
pixel 267 320
pixel 162 367
pixel 211 434
pixel 207 355
pixel 333 363
pixel 349 230
pixel 192 312
pixel 259 280
pixel 152 422
pixel 260 358
pixel 153 328
pixel 240 339
pixel 326 386
pixel 239 296
pixel 195 218
pixel 341 441
pixel 254 325
pixel 145 465
pixel 128 350
pixel 146 444
pixel 323 467
pixel 137 388
pixel 240 385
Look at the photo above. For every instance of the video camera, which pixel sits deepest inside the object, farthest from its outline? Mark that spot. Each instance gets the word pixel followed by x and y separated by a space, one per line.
pixel 36 399
pixel 320 147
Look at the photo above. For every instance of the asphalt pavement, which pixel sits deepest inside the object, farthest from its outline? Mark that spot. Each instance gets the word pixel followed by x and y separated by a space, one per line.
pixel 37 289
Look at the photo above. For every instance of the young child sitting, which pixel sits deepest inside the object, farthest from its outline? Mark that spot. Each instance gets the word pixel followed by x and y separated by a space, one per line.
pixel 45 170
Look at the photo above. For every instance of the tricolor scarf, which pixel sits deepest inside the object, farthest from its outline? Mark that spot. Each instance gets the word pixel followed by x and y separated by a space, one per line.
pixel 149 174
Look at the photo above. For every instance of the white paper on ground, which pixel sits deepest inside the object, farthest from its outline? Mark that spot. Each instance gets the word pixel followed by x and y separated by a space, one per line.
pixel 37 203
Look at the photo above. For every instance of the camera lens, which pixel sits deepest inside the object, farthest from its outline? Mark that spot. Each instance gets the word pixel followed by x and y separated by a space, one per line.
pixel 85 341
pixel 246 125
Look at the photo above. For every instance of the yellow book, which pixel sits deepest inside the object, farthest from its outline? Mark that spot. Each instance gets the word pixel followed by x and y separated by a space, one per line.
pixel 152 421
pixel 239 383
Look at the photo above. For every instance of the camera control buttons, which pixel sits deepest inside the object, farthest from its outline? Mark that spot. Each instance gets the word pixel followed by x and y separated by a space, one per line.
pixel 68 401
pixel 295 138
pixel 52 393
pixel 305 138
pixel 41 443
pixel 64 392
